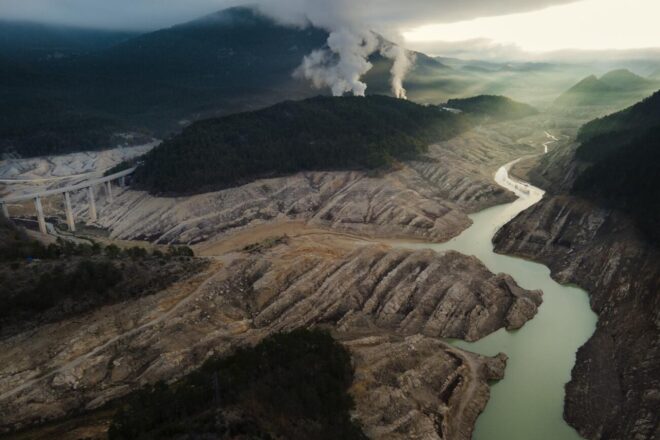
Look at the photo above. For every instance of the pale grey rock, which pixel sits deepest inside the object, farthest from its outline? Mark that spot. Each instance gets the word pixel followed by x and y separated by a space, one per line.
pixel 385 304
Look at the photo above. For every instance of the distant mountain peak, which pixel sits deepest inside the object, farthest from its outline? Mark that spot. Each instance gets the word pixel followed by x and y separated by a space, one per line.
pixel 614 87
pixel 589 84
pixel 620 73
pixel 623 78
pixel 234 16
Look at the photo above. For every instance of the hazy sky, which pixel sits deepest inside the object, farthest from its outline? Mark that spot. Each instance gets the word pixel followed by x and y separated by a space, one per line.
pixel 584 25
pixel 152 14
pixel 435 26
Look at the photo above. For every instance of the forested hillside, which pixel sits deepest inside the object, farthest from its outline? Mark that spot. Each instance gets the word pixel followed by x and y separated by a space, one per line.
pixel 64 89
pixel 289 386
pixel 26 41
pixel 498 108
pixel 233 60
pixel 47 283
pixel 601 134
pixel 624 152
pixel 320 133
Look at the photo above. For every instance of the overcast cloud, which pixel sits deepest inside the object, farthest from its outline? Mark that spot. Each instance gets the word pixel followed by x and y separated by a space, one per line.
pixel 388 16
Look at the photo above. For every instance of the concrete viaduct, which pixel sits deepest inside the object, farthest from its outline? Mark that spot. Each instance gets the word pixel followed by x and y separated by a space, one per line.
pixel 65 191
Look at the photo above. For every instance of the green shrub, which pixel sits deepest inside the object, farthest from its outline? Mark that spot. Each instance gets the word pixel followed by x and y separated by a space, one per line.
pixel 180 251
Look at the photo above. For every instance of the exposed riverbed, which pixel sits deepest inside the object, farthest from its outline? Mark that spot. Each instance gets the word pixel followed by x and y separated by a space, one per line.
pixel 528 403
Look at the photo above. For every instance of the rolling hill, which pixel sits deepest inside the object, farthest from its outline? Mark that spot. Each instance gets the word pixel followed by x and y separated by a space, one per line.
pixel 321 133
pixel 616 88
pixel 624 79
pixel 66 89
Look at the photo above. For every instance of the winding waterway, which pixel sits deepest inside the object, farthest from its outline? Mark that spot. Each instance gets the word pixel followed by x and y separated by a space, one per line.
pixel 528 403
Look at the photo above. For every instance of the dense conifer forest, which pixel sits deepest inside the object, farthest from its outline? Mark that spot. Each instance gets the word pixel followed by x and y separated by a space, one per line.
pixel 290 386
pixel 320 133
pixel 623 150
pixel 44 283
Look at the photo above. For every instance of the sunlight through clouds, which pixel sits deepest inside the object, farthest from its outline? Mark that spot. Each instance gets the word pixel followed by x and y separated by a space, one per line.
pixel 585 25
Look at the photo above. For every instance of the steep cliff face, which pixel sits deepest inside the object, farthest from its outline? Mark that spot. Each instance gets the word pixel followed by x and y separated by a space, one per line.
pixel 615 388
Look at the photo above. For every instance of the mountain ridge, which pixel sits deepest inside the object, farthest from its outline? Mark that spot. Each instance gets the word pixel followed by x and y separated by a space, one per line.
pixel 619 87
pixel 34 41
pixel 155 83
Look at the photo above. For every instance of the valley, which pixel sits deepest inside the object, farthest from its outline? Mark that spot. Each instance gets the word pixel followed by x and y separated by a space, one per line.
pixel 276 221
pixel 312 249
pixel 542 353
pixel 263 277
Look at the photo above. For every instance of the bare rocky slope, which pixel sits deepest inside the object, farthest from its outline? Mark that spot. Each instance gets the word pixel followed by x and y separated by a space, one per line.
pixel 388 306
pixel 615 388
pixel 419 387
pixel 426 199
pixel 19 176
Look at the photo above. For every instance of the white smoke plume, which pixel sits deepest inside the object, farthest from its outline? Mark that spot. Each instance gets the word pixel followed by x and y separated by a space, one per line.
pixel 345 61
pixel 402 63
pixel 341 66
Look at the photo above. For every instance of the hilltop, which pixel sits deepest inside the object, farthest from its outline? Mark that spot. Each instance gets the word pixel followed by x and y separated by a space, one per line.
pixel 321 133
pixel 497 108
pixel 616 88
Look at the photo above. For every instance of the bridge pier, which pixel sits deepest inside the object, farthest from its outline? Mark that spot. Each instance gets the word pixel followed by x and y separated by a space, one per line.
pixel 108 190
pixel 40 215
pixel 69 212
pixel 92 204
pixel 66 191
